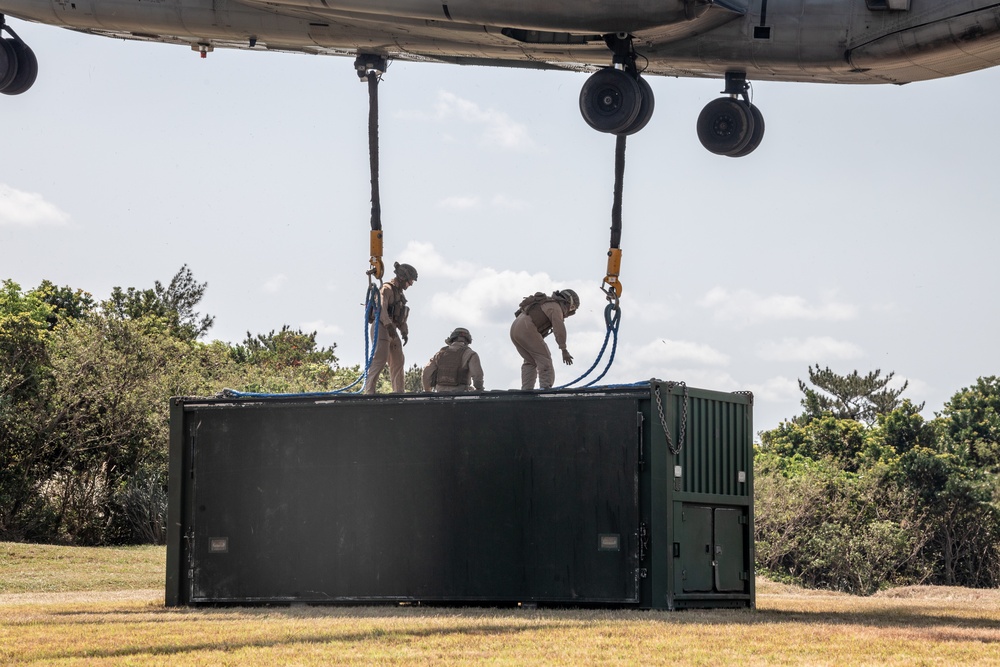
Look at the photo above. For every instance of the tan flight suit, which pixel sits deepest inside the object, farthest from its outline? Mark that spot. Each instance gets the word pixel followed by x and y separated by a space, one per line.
pixel 392 320
pixel 530 344
pixel 453 368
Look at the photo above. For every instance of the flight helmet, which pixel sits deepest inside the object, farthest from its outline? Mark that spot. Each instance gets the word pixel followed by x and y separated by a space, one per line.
pixel 570 297
pixel 405 272
pixel 459 333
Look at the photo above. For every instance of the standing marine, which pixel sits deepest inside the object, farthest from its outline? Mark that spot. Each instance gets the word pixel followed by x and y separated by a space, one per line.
pixel 537 317
pixel 455 367
pixel 393 332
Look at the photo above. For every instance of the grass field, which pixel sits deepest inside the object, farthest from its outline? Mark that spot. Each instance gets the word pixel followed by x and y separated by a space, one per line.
pixel 75 606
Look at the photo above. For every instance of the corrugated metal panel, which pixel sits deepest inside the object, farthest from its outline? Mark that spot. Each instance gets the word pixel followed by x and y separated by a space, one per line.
pixel 712 432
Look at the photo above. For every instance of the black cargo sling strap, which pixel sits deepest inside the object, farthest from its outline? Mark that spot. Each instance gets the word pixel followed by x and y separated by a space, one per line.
pixel 613 292
pixel 615 251
pixel 370 68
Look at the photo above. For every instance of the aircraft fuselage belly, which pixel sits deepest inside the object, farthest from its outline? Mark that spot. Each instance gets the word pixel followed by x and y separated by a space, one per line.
pixel 841 41
pixel 587 16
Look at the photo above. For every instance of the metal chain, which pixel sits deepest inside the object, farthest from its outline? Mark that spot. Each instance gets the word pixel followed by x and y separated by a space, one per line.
pixel 684 420
pixel 675 450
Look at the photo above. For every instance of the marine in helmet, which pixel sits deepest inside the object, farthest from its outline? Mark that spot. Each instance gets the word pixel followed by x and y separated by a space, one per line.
pixel 393 332
pixel 537 316
pixel 455 367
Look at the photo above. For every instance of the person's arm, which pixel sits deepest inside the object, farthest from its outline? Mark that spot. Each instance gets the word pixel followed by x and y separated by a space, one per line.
pixel 555 314
pixel 476 372
pixel 429 377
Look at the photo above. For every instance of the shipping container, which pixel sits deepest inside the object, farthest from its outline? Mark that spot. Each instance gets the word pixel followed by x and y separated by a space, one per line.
pixel 626 496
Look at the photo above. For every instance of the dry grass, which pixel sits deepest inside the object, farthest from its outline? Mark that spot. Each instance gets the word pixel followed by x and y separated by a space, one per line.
pixel 44 568
pixel 912 626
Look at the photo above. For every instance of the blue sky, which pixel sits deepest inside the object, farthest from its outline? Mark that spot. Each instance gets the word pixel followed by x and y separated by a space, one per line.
pixel 861 234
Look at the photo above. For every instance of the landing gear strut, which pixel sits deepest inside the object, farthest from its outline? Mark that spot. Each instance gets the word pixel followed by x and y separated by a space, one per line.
pixel 18 65
pixel 731 125
pixel 616 99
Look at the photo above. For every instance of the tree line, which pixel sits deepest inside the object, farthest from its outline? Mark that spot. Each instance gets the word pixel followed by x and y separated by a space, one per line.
pixel 860 492
pixel 84 411
pixel 856 493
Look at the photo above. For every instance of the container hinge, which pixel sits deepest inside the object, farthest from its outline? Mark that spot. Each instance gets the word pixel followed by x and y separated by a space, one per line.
pixel 189 546
pixel 643 541
pixel 744 519
pixel 744 576
pixel 643 573
pixel 642 457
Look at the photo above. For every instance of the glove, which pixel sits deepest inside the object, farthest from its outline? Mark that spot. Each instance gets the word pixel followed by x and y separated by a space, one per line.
pixel 567 358
pixel 404 332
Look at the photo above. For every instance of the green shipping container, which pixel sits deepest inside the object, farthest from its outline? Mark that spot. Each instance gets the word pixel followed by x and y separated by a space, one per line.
pixel 628 496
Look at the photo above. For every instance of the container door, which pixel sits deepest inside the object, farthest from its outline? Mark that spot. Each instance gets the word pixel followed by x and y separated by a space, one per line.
pixel 730 568
pixel 437 500
pixel 693 549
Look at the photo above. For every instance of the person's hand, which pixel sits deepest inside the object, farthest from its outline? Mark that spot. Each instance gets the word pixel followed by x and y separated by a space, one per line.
pixel 567 358
pixel 404 333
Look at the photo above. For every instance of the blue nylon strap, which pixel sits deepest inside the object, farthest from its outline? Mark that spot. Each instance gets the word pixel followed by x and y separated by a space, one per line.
pixel 612 318
pixel 373 309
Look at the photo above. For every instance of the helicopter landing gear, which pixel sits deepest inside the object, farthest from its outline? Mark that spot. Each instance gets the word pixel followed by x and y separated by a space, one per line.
pixel 616 99
pixel 731 126
pixel 18 65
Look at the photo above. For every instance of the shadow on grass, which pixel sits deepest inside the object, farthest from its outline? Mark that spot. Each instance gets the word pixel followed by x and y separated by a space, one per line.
pixel 377 635
pixel 890 617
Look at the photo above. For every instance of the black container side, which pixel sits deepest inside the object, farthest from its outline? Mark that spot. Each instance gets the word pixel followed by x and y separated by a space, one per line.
pixel 408 499
pixel 568 497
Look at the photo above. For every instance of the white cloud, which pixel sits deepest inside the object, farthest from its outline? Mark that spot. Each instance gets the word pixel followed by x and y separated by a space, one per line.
pixel 814 349
pixel 664 359
pixel 498 129
pixel 505 202
pixel 777 389
pixel 473 202
pixel 717 379
pixel 644 311
pixel 489 296
pixel 460 203
pixel 429 263
pixel 322 328
pixel 746 307
pixel 916 388
pixel 664 351
pixel 274 284
pixel 28 209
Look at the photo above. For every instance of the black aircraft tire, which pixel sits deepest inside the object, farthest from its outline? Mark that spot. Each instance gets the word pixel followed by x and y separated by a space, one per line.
pixel 725 126
pixel 8 64
pixel 27 68
pixel 645 108
pixel 610 100
pixel 756 135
